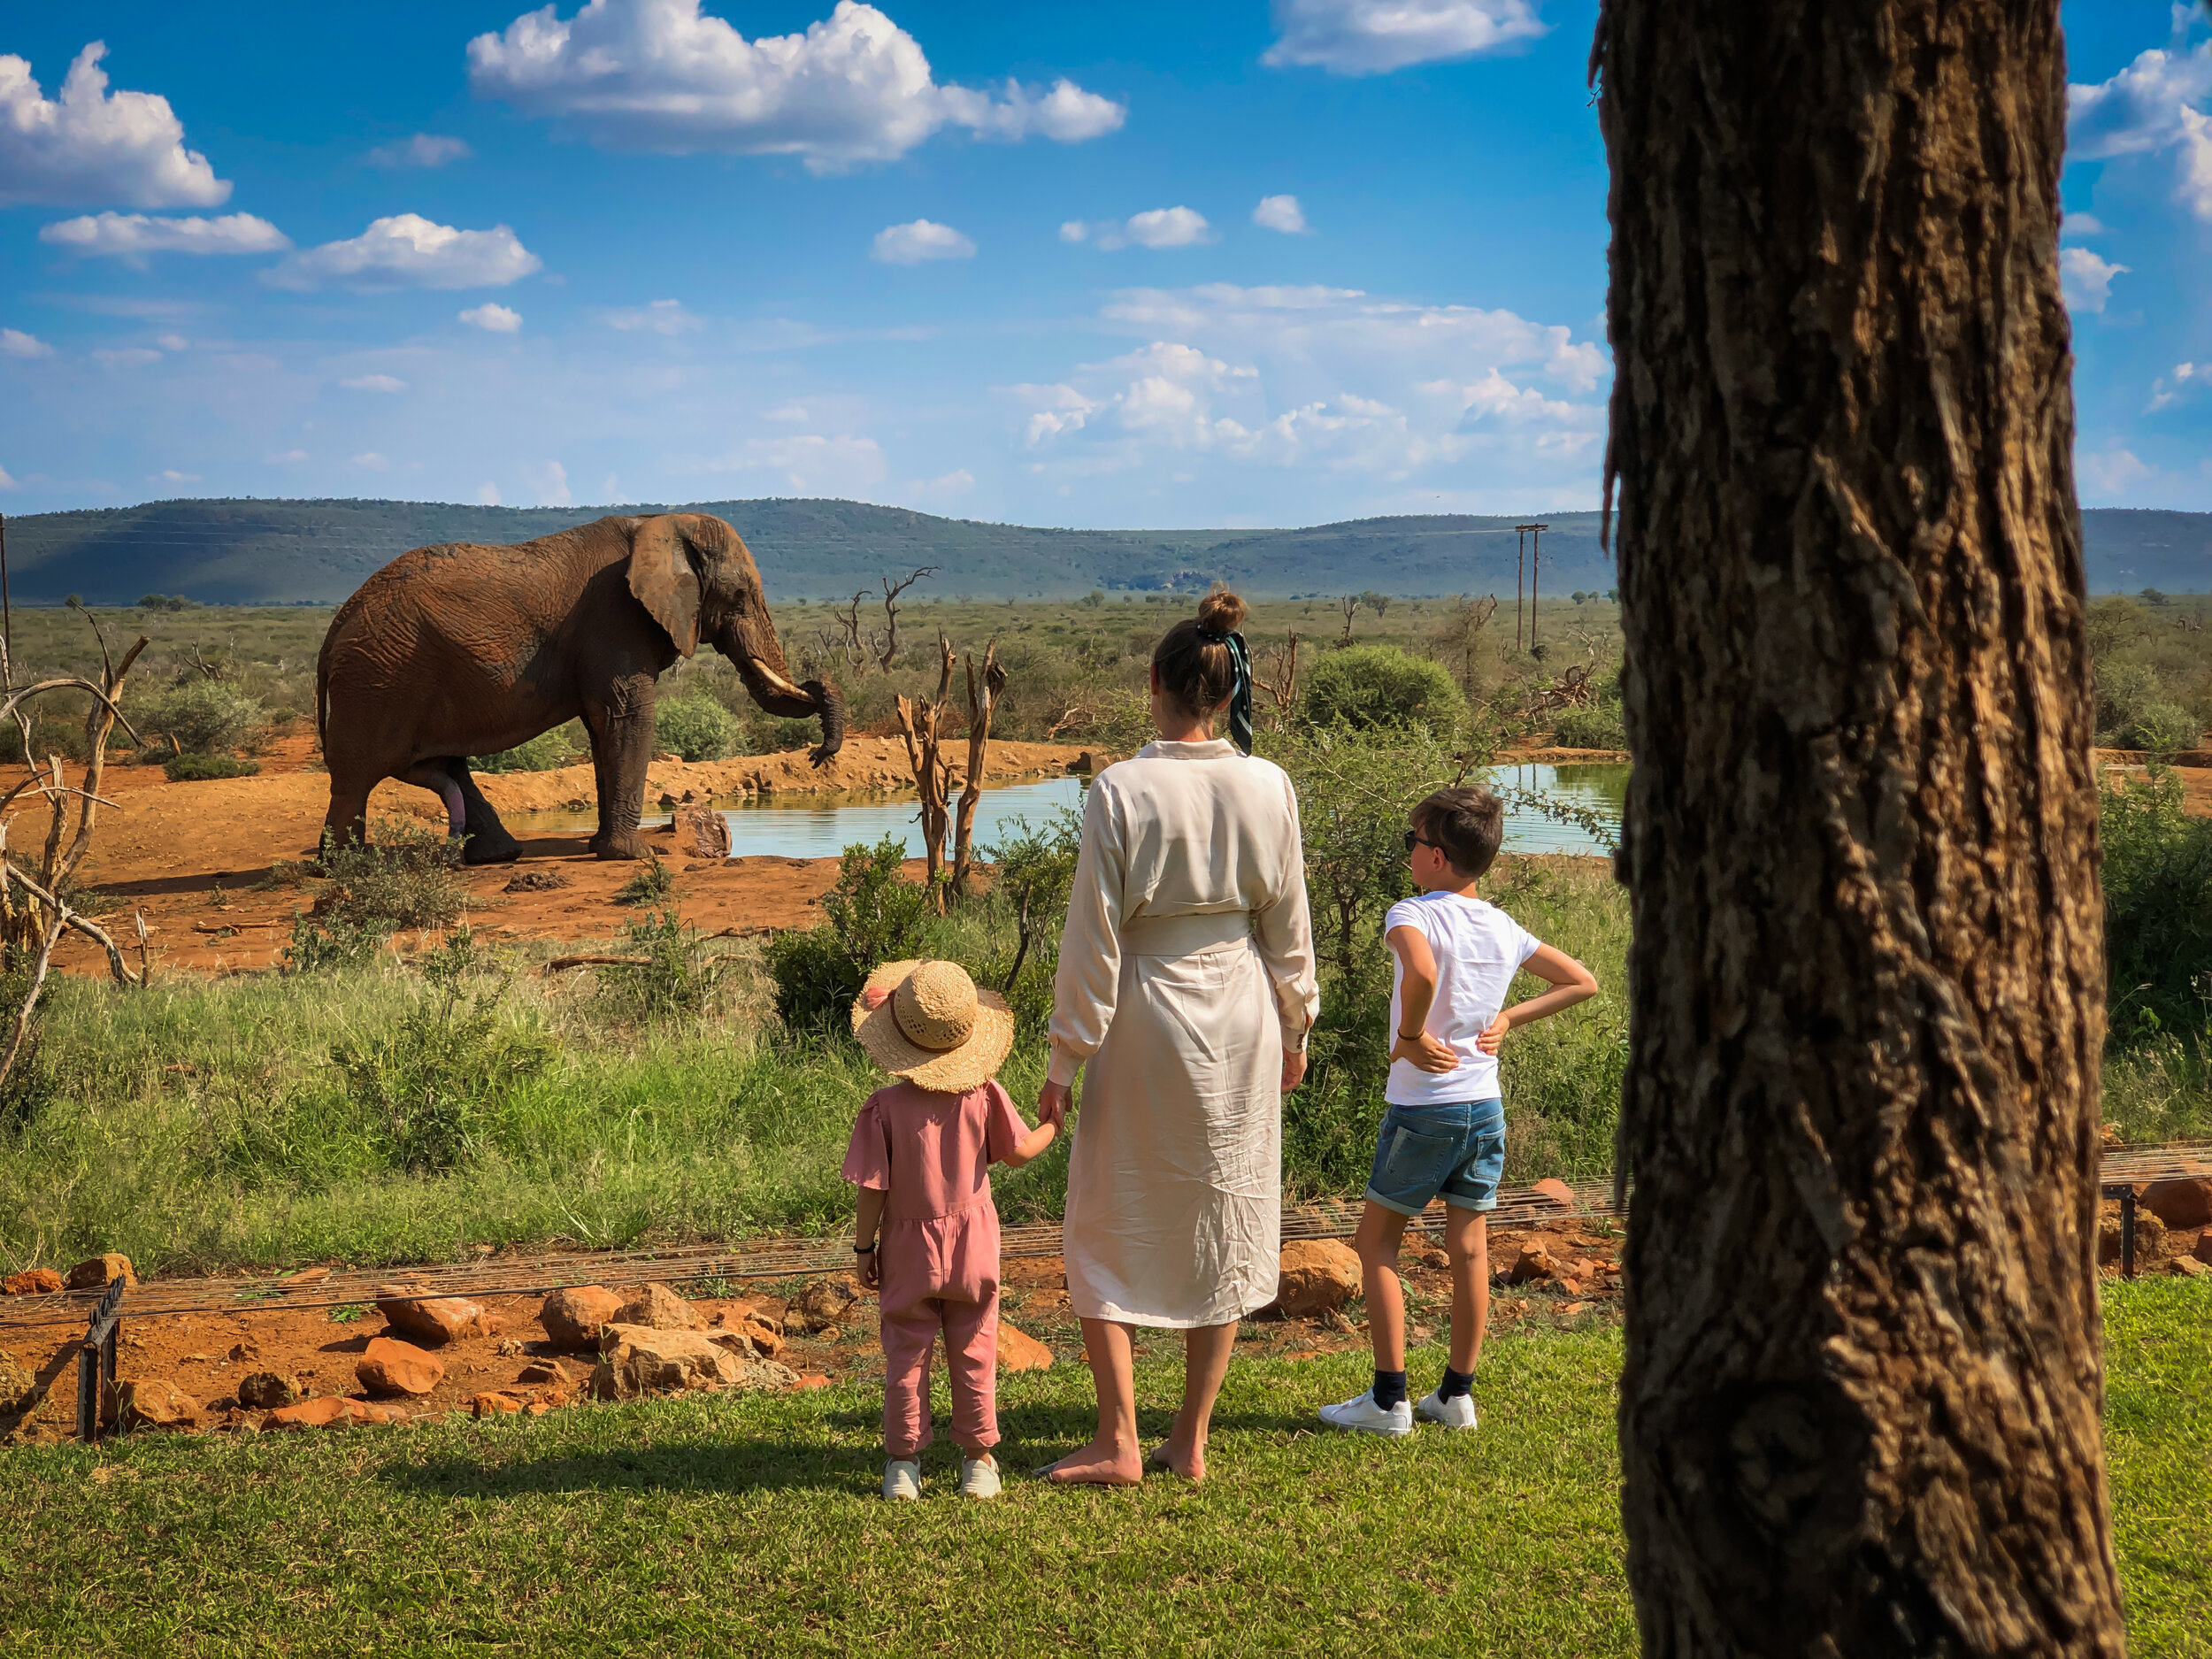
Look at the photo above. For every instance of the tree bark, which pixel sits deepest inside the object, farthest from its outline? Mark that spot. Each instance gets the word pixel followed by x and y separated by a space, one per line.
pixel 1860 1410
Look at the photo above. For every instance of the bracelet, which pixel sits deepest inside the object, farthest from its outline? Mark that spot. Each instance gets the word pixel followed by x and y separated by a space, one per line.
pixel 864 1249
pixel 1413 1037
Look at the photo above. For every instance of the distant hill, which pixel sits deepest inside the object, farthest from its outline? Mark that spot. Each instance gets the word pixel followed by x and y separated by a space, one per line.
pixel 285 552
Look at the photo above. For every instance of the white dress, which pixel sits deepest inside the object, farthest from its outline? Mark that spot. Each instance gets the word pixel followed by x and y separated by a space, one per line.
pixel 1186 965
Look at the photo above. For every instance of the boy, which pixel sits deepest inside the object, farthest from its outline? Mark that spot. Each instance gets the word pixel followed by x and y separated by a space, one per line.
pixel 1444 1132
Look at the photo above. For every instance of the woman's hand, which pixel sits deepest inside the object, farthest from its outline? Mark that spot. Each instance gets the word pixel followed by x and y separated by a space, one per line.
pixel 1053 1101
pixel 1293 1069
pixel 869 1267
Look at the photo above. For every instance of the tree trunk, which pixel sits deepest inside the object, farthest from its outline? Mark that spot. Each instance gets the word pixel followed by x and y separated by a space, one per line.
pixel 1861 1407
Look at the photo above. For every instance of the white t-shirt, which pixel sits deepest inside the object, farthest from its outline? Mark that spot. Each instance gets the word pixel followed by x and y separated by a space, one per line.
pixel 1479 949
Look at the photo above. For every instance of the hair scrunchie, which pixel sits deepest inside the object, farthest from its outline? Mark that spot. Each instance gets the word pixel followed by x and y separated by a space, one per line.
pixel 1241 699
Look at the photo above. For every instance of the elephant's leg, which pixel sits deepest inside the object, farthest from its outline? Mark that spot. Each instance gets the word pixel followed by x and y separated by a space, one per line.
pixel 433 776
pixel 621 745
pixel 347 820
pixel 488 841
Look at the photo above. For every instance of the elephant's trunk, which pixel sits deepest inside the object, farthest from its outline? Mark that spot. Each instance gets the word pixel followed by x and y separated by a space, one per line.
pixel 774 692
pixel 831 702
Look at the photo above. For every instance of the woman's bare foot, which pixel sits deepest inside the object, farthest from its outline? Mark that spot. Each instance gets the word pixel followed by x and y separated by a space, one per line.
pixel 1099 1463
pixel 1188 1461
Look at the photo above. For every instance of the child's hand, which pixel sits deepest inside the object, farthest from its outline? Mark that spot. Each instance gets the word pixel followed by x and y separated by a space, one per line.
pixel 1493 1034
pixel 1427 1051
pixel 869 1268
pixel 875 996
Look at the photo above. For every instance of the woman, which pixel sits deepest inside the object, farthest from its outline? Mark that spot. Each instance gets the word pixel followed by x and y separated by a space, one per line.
pixel 1187 986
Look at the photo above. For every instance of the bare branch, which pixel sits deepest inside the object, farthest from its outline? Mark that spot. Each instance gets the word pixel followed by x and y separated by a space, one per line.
pixel 891 591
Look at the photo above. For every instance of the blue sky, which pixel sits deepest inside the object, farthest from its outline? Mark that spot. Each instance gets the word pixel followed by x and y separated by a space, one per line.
pixel 1139 265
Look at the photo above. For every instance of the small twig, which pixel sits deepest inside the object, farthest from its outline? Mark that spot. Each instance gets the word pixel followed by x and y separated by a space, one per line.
pixel 69 918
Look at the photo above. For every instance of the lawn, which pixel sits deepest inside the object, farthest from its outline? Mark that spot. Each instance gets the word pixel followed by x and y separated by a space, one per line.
pixel 750 1525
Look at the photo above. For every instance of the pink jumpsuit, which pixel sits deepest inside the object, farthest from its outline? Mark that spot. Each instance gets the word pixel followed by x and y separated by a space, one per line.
pixel 931 1153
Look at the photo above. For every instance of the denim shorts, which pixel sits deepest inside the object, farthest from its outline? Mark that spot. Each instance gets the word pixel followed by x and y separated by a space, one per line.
pixel 1456 1150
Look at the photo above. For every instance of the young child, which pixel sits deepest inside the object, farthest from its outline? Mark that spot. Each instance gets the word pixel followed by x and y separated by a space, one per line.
pixel 1444 1131
pixel 926 1230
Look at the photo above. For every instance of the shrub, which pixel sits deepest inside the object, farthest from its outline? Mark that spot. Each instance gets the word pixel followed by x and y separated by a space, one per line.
pixel 2158 908
pixel 1598 726
pixel 696 728
pixel 1036 871
pixel 406 877
pixel 190 768
pixel 650 885
pixel 2124 690
pixel 2163 728
pixel 871 916
pixel 1370 686
pixel 675 980
pixel 542 753
pixel 200 716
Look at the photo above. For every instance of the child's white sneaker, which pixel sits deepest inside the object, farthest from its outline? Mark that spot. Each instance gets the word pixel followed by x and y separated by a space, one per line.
pixel 902 1479
pixel 979 1476
pixel 1458 1412
pixel 1362 1413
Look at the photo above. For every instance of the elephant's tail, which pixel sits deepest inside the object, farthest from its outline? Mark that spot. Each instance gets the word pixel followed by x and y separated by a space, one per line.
pixel 322 690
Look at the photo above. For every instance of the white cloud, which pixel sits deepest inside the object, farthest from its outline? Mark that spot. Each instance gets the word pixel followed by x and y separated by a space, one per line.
pixel 487 494
pixel 6 482
pixel 90 145
pixel 424 150
pixel 372 460
pixel 661 317
pixel 2085 279
pixel 2117 470
pixel 127 358
pixel 172 476
pixel 810 463
pixel 1158 227
pixel 2167 390
pixel 2146 109
pixel 549 483
pixel 1280 212
pixel 795 412
pixel 660 75
pixel 493 318
pixel 2083 225
pixel 947 485
pixel 375 383
pixel 288 457
pixel 2196 164
pixel 15 344
pixel 408 251
pixel 918 239
pixel 1366 37
pixel 173 342
pixel 131 234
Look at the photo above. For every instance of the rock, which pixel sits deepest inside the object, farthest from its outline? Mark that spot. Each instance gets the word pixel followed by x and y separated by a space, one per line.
pixel 392 1367
pixel 704 831
pixel 545 1371
pixel 747 1328
pixel 39 1281
pixel 813 1380
pixel 493 1405
pixel 637 1360
pixel 1555 1189
pixel 2183 1202
pixel 332 1411
pixel 659 1308
pixel 240 1352
pixel 822 1305
pixel 1533 1263
pixel 573 1318
pixel 2203 1252
pixel 432 1320
pixel 101 1271
pixel 1431 1255
pixel 1318 1276
pixel 2150 1238
pixel 1017 1350
pixel 2189 1267
pixel 535 882
pixel 18 1389
pixel 146 1403
pixel 268 1391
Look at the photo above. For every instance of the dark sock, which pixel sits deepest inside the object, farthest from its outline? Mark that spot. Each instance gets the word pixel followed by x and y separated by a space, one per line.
pixel 1456 1382
pixel 1390 1388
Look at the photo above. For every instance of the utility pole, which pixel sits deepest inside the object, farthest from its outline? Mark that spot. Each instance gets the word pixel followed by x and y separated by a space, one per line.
pixel 7 615
pixel 1520 579
pixel 1535 533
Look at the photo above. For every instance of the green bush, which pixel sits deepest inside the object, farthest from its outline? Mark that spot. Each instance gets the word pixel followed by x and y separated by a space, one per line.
pixel 1370 686
pixel 2163 728
pixel 695 728
pixel 871 916
pixel 1598 726
pixel 200 716
pixel 2158 909
pixel 1036 871
pixel 2124 690
pixel 545 752
pixel 190 768
pixel 676 978
pixel 407 876
pixel 650 885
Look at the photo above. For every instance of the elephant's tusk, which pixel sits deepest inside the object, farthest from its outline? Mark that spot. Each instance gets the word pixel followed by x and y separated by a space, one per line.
pixel 776 681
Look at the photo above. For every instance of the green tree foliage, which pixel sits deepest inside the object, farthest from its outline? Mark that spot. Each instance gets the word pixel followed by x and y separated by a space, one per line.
pixel 560 747
pixel 693 728
pixel 871 914
pixel 199 717
pixel 1372 687
pixel 1036 872
pixel 2158 908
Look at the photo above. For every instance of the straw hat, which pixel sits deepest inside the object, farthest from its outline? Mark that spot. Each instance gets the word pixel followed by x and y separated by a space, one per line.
pixel 935 1029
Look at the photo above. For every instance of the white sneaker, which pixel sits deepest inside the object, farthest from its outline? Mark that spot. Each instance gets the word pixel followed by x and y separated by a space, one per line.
pixel 1362 1413
pixel 979 1476
pixel 1458 1412
pixel 902 1479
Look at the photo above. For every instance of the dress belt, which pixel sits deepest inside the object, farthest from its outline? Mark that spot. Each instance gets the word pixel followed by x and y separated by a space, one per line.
pixel 1185 935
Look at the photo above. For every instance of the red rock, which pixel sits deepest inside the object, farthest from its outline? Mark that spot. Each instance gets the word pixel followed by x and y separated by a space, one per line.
pixel 636 1360
pixel 431 1320
pixel 2189 1267
pixel 1555 1189
pixel 545 1371
pixel 1431 1255
pixel 2150 1238
pixel 822 1306
pixel 814 1380
pixel 39 1281
pixel 1318 1276
pixel 657 1307
pixel 101 1271
pixel 392 1367
pixel 2183 1202
pixel 267 1391
pixel 1017 1350
pixel 493 1405
pixel 751 1333
pixel 1534 1262
pixel 573 1318
pixel 2203 1252
pixel 143 1402
pixel 332 1411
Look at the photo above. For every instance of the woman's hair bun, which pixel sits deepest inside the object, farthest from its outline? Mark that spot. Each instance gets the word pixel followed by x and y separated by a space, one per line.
pixel 1220 611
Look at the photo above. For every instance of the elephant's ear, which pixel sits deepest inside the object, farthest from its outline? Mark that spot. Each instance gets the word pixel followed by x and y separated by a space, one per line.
pixel 662 577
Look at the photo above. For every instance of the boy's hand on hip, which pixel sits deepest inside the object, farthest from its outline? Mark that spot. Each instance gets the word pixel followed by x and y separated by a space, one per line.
pixel 1493 1034
pixel 1428 1052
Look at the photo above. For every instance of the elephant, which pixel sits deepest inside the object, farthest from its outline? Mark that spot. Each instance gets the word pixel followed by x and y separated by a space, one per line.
pixel 460 649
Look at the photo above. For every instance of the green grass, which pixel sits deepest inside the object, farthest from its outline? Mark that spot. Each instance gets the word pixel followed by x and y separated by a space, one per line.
pixel 749 1524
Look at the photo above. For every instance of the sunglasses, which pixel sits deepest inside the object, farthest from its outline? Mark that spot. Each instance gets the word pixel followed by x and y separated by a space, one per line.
pixel 1414 837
